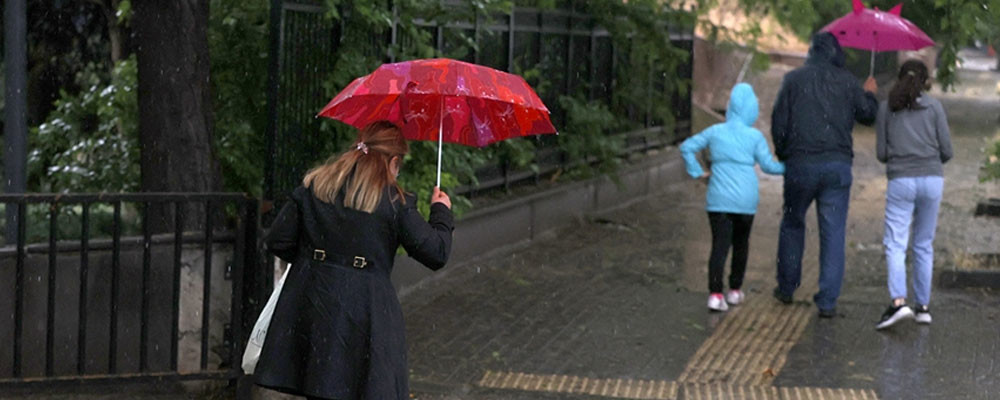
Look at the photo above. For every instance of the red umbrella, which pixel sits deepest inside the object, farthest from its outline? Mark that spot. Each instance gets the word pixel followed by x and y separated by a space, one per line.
pixel 876 30
pixel 444 100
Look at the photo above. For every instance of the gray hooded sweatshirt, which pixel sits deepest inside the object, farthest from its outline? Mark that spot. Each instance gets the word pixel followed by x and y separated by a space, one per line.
pixel 913 142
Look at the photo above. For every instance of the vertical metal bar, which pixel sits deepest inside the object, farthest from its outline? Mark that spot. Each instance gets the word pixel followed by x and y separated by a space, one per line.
pixel 394 33
pixel 476 38
pixel 236 300
pixel 439 45
pixel 569 54
pixel 593 63
pixel 613 85
pixel 147 259
pixel 256 279
pixel 116 239
pixel 19 282
pixel 206 299
pixel 505 167
pixel 81 336
pixel 510 41
pixel 539 37
pixel 176 301
pixel 274 69
pixel 649 93
pixel 50 325
pixel 15 109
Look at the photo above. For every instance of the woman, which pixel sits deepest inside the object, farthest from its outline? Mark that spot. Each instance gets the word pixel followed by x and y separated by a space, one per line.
pixel 912 139
pixel 337 330
pixel 735 147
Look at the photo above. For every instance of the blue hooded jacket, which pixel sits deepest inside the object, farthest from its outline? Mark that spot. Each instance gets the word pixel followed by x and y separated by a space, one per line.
pixel 735 146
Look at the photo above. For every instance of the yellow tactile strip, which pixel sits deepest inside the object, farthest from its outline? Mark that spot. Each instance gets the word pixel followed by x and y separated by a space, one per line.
pixel 750 346
pixel 662 390
pixel 718 391
pixel 615 388
pixel 814 393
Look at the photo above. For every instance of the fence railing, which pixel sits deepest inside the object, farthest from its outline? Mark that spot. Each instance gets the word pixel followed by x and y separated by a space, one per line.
pixel 157 291
pixel 566 46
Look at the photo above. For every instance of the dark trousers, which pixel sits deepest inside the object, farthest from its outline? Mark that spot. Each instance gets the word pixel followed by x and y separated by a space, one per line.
pixel 728 230
pixel 829 185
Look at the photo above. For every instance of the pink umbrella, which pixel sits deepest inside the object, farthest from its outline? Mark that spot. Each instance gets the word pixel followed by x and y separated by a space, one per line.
pixel 876 30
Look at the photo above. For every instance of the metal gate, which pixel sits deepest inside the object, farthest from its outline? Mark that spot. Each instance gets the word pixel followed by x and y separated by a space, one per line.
pixel 88 291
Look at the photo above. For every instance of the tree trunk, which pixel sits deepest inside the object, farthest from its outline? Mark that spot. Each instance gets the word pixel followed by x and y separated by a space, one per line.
pixel 110 10
pixel 175 133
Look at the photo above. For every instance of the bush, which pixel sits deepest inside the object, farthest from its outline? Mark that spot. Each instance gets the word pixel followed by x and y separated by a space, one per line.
pixel 89 143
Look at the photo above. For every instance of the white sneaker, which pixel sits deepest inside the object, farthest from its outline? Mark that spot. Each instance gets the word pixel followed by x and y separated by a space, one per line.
pixel 734 297
pixel 716 302
pixel 922 315
pixel 894 314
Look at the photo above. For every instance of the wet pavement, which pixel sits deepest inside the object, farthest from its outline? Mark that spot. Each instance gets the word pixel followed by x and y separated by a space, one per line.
pixel 614 306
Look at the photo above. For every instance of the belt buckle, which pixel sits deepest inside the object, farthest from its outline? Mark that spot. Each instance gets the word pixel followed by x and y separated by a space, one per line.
pixel 360 262
pixel 319 255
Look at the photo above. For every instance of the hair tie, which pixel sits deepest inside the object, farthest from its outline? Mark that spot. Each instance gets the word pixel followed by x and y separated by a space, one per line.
pixel 362 147
pixel 911 73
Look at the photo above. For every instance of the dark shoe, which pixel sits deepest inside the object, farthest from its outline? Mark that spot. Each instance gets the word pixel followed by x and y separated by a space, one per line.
pixel 894 314
pixel 829 313
pixel 922 314
pixel 783 298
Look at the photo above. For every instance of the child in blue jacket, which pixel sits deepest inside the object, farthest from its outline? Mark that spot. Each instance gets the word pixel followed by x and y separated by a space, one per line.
pixel 735 147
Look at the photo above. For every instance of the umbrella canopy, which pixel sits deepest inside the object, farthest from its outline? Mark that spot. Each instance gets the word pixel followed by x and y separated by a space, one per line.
pixel 444 99
pixel 876 30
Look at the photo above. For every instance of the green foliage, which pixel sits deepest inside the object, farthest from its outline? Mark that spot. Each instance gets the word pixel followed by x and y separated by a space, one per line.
pixel 991 168
pixel 639 28
pixel 363 19
pixel 68 155
pixel 588 141
pixel 953 24
pixel 238 40
pixel 69 226
pixel 89 143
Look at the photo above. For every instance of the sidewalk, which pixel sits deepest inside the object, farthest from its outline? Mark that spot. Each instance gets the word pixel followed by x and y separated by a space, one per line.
pixel 614 307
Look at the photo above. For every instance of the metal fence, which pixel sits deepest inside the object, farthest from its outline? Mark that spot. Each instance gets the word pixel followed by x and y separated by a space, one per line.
pixel 566 46
pixel 104 298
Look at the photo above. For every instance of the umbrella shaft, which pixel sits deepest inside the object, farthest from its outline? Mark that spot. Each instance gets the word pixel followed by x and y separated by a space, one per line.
pixel 440 137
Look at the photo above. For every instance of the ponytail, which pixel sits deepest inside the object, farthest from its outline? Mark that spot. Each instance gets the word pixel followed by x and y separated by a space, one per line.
pixel 363 171
pixel 911 82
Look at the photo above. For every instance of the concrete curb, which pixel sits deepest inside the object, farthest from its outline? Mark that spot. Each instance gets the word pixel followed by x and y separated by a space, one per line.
pixel 955 279
pixel 524 220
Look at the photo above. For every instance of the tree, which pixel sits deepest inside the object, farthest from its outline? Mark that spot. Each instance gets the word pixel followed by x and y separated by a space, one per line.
pixel 174 96
pixel 953 24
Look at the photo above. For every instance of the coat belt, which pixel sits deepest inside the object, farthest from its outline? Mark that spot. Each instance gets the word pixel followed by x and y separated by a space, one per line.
pixel 358 262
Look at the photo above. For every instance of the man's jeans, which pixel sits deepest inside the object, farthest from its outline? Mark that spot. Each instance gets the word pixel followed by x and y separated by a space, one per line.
pixel 911 200
pixel 829 184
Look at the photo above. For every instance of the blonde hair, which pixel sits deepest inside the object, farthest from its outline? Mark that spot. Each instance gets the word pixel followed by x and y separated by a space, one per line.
pixel 363 171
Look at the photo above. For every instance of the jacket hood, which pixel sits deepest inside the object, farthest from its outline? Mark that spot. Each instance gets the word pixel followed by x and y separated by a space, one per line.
pixel 742 105
pixel 825 49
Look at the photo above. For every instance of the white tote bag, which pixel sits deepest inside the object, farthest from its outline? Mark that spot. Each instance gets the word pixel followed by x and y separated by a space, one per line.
pixel 252 353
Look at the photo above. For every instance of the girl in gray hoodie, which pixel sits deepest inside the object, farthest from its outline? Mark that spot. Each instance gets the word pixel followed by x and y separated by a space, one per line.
pixel 913 141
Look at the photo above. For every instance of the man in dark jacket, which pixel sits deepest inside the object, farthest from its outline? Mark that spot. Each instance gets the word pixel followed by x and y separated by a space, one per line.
pixel 811 126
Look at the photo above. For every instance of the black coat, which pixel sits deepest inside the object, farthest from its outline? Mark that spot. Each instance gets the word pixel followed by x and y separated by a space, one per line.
pixel 817 105
pixel 337 330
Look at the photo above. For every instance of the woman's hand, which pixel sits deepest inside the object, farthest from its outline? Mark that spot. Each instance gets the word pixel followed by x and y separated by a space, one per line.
pixel 440 197
pixel 704 177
